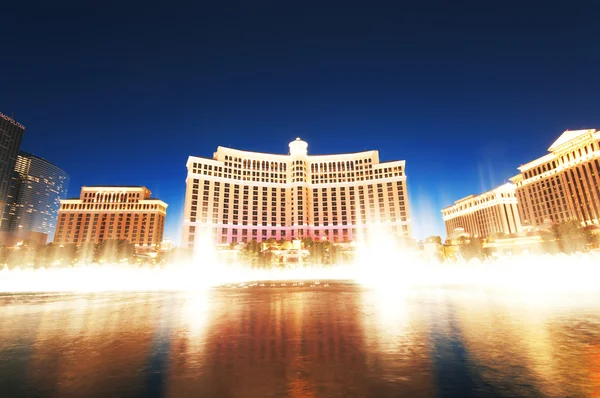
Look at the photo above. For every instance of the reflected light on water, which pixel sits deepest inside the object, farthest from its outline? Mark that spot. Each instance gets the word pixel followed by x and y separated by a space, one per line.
pixel 345 340
pixel 195 312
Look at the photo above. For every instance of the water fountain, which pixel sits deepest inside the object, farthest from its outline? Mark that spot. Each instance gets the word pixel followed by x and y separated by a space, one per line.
pixel 379 262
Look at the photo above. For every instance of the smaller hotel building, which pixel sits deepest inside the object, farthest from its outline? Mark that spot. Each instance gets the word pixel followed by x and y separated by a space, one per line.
pixel 239 196
pixel 564 184
pixel 495 211
pixel 104 212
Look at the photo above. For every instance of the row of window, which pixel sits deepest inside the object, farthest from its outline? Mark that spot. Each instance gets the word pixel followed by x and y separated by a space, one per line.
pixel 111 197
pixel 110 206
pixel 263 192
pixel 137 228
pixel 299 176
pixel 276 172
pixel 571 194
pixel 484 199
pixel 563 159
pixel 221 204
pixel 265 165
pixel 233 235
pixel 486 221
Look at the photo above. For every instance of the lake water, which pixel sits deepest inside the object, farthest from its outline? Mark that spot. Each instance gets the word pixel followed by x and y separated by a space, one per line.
pixel 340 340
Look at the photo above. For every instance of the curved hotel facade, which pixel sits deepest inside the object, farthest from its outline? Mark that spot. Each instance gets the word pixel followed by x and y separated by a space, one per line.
pixel 239 196
pixel 559 186
pixel 486 214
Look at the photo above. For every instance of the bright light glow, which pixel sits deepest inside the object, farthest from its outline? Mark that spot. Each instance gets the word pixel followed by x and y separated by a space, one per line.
pixel 379 263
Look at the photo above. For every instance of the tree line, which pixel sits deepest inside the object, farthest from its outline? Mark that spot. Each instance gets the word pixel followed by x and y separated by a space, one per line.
pixel 566 237
pixel 31 254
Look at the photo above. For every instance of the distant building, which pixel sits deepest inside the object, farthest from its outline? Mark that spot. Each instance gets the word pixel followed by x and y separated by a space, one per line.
pixel 11 134
pixel 457 234
pixel 492 212
pixel 239 196
pixel 34 196
pixel 521 244
pixel 166 245
pixel 564 184
pixel 9 239
pixel 105 212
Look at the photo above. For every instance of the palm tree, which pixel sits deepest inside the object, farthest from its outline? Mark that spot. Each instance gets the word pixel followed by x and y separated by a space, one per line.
pixel 250 253
pixel 434 239
pixel 113 250
pixel 570 236
pixel 307 242
pixel 471 248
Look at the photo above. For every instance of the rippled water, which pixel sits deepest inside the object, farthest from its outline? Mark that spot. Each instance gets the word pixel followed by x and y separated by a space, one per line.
pixel 334 341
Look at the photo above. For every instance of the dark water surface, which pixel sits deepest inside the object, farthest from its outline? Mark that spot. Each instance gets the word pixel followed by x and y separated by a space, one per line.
pixel 336 341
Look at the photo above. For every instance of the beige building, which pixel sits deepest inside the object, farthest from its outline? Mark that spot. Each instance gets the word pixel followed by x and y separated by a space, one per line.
pixel 103 213
pixel 495 211
pixel 238 196
pixel 565 183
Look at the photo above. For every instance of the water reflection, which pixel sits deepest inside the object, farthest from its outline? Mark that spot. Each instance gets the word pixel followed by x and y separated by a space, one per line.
pixel 74 346
pixel 526 347
pixel 395 340
pixel 300 342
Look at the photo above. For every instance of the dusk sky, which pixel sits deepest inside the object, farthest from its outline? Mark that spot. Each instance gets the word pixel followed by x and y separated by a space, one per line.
pixel 463 91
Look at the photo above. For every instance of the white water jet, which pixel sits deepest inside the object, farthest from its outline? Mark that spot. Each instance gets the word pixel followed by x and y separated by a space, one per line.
pixel 379 263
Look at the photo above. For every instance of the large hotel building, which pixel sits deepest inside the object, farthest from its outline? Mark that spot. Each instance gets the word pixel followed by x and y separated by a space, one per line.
pixel 238 196
pixel 565 183
pixel 562 185
pixel 102 213
pixel 483 215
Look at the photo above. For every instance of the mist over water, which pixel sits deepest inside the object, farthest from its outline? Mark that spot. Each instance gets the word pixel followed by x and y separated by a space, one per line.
pixel 383 266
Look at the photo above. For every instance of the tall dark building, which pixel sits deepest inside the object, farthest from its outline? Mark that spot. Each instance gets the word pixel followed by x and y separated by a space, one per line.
pixel 11 134
pixel 34 196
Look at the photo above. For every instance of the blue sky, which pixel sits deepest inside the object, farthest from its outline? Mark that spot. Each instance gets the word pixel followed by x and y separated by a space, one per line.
pixel 463 91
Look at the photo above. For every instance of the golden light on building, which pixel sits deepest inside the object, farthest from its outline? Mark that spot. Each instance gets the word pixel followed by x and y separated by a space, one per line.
pixel 495 211
pixel 565 183
pixel 239 196
pixel 103 213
